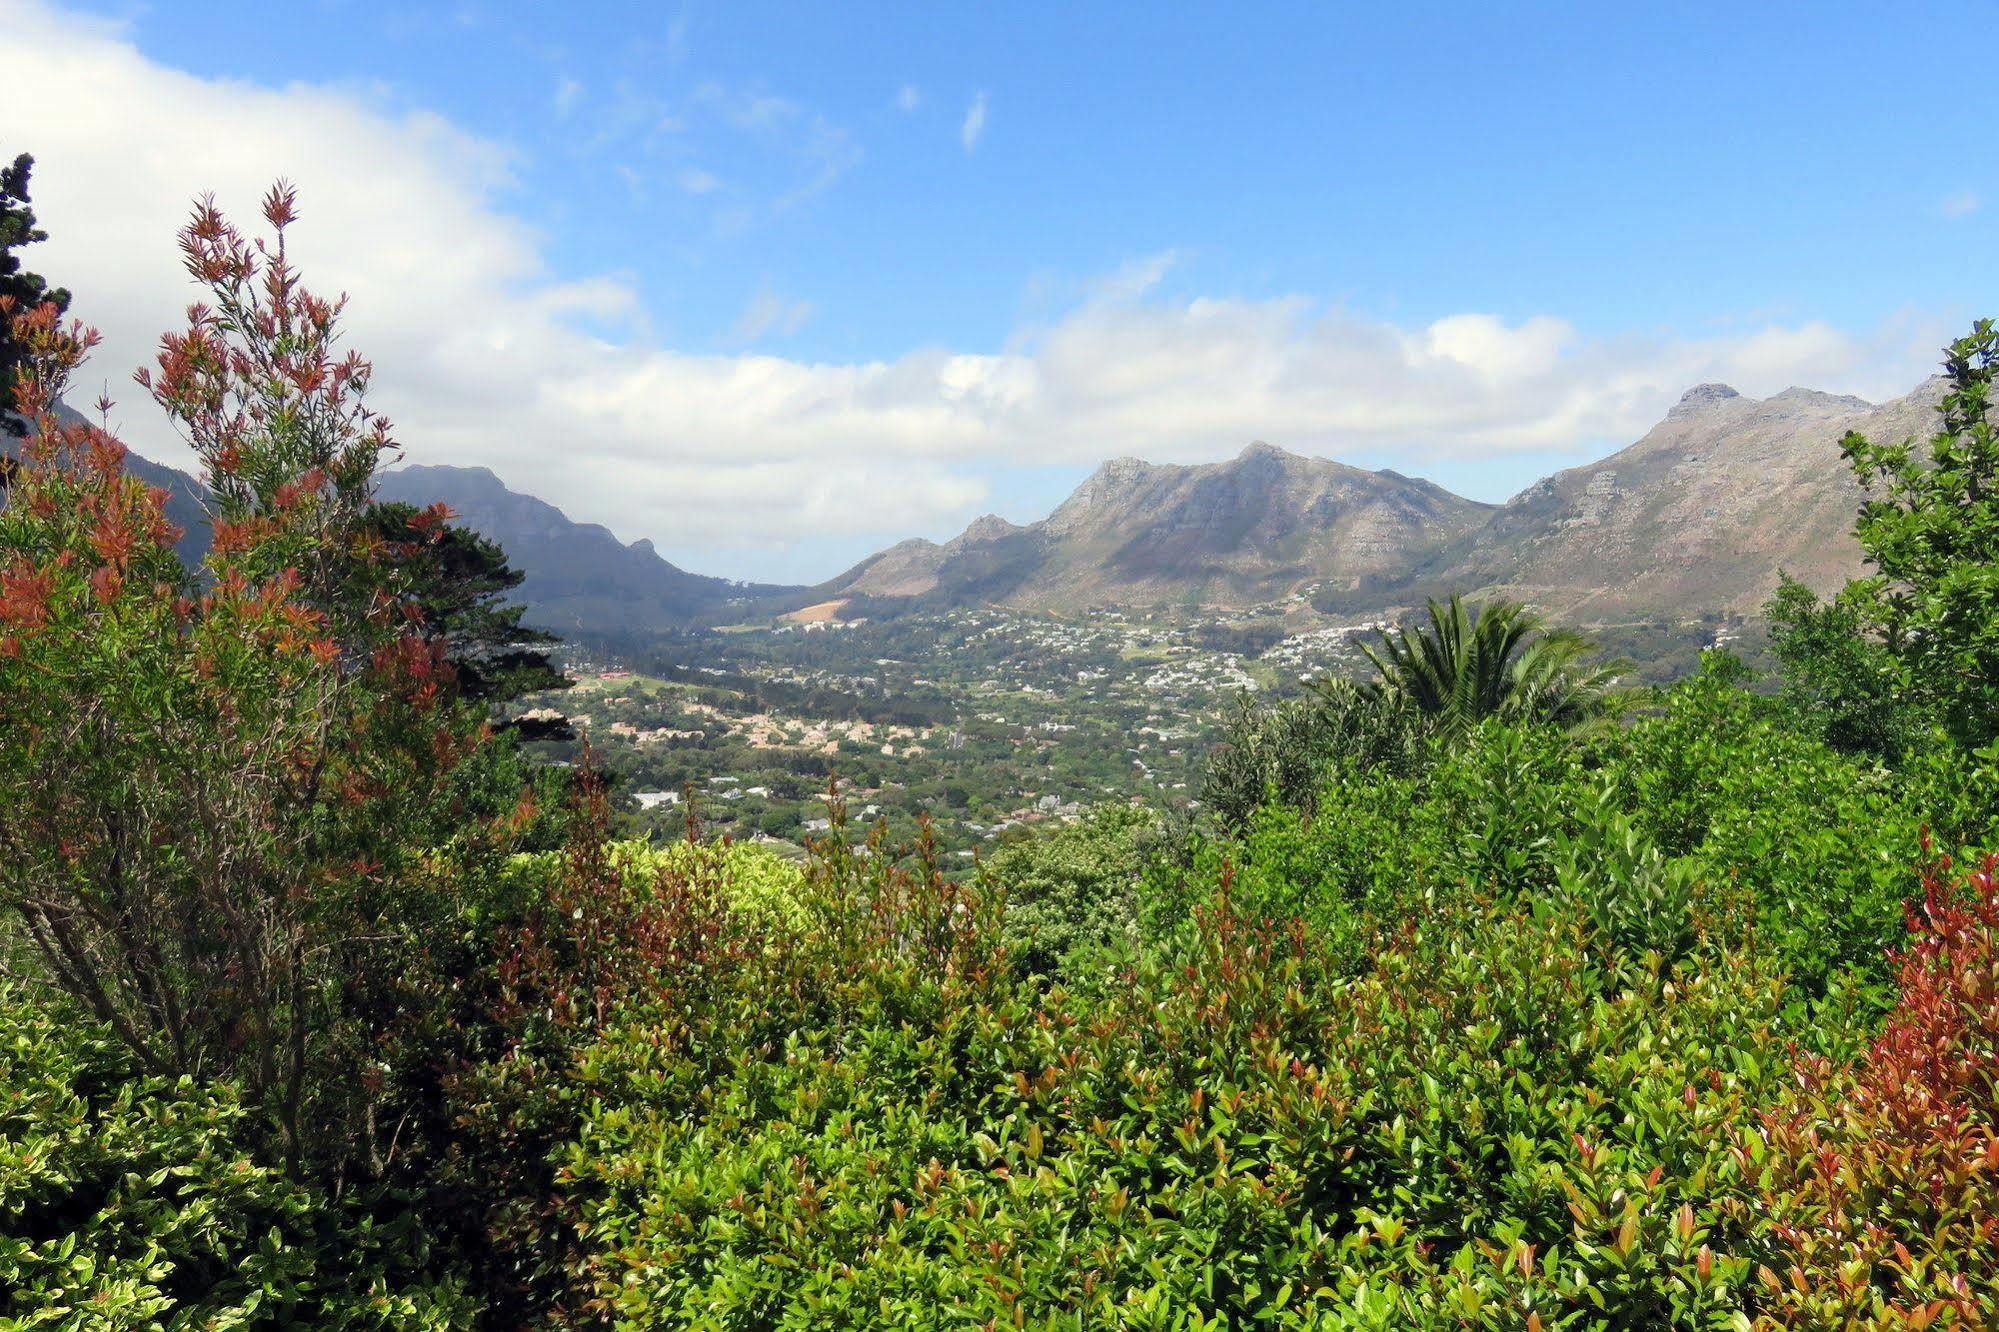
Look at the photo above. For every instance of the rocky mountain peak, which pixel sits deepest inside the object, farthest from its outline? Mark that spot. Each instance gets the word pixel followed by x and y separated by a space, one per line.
pixel 1258 451
pixel 1104 485
pixel 986 527
pixel 1702 396
pixel 1818 400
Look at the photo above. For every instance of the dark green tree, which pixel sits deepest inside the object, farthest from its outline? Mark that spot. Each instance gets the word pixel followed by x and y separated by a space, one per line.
pixel 459 580
pixel 1916 642
pixel 26 290
pixel 1284 752
pixel 1839 678
pixel 1930 528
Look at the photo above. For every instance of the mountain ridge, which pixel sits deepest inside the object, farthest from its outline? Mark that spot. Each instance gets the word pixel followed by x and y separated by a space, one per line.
pixel 1697 515
pixel 1244 529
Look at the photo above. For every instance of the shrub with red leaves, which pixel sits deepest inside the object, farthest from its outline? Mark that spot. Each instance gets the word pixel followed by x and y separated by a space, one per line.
pixel 224 792
pixel 1882 1186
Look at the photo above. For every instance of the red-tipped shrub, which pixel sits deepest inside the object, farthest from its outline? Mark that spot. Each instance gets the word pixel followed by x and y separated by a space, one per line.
pixel 1883 1181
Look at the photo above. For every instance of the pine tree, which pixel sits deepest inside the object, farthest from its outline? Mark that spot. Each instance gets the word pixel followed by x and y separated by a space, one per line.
pixel 27 290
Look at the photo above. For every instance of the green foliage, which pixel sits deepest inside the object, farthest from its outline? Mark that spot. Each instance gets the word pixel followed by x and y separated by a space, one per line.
pixel 1509 1036
pixel 457 579
pixel 1841 681
pixel 1488 1041
pixel 751 879
pixel 1284 752
pixel 1499 661
pixel 1930 528
pixel 1818 843
pixel 1073 890
pixel 1812 844
pixel 224 796
pixel 1640 902
pixel 129 1201
pixel 1237 1133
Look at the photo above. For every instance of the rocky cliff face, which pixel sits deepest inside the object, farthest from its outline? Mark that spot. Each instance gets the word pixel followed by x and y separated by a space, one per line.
pixel 1699 515
pixel 1136 533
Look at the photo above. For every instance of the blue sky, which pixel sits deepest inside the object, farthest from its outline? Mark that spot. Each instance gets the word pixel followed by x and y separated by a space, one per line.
pixel 1766 190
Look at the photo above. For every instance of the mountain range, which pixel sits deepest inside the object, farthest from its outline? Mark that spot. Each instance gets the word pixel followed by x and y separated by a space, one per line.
pixel 1697 516
pixel 1250 530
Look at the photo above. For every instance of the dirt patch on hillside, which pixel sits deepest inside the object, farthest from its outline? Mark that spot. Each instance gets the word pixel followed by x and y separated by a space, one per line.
pixel 818 613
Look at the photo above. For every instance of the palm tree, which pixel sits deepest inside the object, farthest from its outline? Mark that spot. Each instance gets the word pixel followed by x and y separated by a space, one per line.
pixel 1498 661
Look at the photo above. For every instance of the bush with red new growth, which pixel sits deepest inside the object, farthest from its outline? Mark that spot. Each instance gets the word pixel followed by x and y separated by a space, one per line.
pixel 1883 1183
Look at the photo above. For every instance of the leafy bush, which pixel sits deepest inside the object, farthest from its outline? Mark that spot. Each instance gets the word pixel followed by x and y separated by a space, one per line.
pixel 1812 845
pixel 1073 890
pixel 753 880
pixel 1238 1132
pixel 130 1201
pixel 1639 901
pixel 1880 1181
pixel 1285 752
pixel 224 793
pixel 1914 641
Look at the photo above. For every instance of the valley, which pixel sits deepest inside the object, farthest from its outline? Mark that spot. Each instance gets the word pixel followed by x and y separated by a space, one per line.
pixel 1316 742
pixel 994 722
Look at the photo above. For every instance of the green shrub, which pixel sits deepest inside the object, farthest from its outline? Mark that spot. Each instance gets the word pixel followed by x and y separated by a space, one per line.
pixel 754 880
pixel 1241 1129
pixel 129 1201
pixel 1639 901
pixel 1074 890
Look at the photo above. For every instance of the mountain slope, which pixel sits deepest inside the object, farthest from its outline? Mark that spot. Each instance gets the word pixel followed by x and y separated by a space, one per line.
pixel 1696 517
pixel 1699 515
pixel 1249 530
pixel 580 578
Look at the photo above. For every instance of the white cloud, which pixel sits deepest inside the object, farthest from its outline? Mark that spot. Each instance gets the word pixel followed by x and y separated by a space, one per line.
pixel 1494 352
pixel 767 313
pixel 1961 204
pixel 484 357
pixel 1135 277
pixel 974 127
pixel 908 97
pixel 567 93
pixel 696 181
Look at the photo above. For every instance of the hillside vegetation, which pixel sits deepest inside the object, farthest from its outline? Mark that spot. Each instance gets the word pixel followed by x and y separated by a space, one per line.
pixel 1487 994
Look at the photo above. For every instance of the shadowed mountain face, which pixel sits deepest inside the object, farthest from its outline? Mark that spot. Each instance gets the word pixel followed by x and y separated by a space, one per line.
pixel 580 578
pixel 1249 530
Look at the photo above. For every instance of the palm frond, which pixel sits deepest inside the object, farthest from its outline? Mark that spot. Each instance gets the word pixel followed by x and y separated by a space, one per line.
pixel 1464 665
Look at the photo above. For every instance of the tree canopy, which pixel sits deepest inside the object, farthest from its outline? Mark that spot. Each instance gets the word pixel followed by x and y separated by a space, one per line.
pixel 21 289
